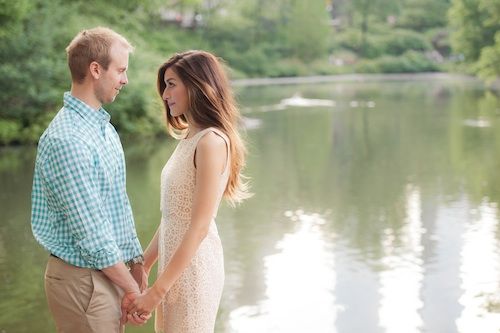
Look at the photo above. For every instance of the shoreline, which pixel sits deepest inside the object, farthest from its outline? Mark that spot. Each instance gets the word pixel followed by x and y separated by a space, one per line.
pixel 315 79
pixel 351 78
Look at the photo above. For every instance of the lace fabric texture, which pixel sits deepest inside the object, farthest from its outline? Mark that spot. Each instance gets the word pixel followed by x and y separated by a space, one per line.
pixel 191 304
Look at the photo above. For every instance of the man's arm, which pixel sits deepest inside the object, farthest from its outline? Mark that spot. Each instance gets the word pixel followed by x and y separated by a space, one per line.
pixel 70 174
pixel 120 276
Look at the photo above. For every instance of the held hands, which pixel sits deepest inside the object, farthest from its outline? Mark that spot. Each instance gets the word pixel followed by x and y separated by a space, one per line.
pixel 135 318
pixel 137 308
pixel 140 276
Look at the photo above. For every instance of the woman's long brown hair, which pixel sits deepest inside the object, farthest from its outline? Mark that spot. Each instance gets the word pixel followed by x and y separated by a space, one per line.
pixel 211 104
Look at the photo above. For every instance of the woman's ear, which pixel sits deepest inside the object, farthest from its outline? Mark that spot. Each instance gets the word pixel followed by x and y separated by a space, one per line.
pixel 95 69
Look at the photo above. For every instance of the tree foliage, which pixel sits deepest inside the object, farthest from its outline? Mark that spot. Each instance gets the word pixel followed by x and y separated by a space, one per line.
pixel 421 15
pixel 475 24
pixel 488 65
pixel 255 37
pixel 307 30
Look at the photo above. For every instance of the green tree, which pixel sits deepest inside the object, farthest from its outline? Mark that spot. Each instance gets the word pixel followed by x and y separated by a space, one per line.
pixel 476 26
pixel 422 15
pixel 32 67
pixel 488 65
pixel 11 14
pixel 364 10
pixel 307 31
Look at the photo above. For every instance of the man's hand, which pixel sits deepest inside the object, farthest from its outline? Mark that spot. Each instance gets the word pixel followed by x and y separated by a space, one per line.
pixel 143 304
pixel 140 276
pixel 127 300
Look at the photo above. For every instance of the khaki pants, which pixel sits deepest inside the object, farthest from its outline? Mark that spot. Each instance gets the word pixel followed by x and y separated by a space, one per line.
pixel 82 300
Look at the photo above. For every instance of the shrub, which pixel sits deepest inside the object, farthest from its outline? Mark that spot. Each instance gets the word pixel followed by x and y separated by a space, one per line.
pixel 401 41
pixel 410 62
pixel 392 42
pixel 9 131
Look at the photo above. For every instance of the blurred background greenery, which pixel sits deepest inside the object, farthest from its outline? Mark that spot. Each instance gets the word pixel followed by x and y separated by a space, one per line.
pixel 257 38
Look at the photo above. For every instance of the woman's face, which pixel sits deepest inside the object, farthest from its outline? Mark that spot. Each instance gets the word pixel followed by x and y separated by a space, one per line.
pixel 175 94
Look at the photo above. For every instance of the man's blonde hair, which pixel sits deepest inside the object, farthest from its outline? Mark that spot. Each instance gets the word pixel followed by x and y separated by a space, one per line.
pixel 92 45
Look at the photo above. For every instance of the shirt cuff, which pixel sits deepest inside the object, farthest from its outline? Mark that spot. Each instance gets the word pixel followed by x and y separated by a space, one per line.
pixel 102 258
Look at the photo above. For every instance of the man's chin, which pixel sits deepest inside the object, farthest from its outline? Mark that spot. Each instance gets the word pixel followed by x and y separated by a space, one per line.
pixel 109 100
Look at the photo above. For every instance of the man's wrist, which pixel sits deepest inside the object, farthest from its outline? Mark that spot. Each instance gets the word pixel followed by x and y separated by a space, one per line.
pixel 133 290
pixel 139 260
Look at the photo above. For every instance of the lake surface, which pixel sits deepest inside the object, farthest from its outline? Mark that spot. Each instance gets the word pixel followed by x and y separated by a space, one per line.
pixel 376 209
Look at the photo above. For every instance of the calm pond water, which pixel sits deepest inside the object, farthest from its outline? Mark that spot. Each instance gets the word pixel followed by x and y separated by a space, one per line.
pixel 376 209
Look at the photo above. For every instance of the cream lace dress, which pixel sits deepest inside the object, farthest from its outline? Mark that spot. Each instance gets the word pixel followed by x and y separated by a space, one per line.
pixel 192 302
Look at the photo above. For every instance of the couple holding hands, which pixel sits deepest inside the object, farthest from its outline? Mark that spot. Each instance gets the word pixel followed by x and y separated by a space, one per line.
pixel 96 278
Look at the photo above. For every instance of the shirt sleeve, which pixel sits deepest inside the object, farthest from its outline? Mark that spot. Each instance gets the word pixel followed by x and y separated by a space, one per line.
pixel 71 174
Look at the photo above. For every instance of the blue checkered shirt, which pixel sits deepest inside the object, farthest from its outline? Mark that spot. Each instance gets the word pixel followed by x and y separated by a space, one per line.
pixel 80 209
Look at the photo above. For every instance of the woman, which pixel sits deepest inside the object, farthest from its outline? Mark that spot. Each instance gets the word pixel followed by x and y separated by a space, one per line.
pixel 205 166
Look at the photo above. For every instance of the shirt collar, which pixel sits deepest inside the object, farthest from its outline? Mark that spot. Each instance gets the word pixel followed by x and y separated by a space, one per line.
pixel 98 117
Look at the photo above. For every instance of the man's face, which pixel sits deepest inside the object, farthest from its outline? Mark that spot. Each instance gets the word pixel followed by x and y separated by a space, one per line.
pixel 115 77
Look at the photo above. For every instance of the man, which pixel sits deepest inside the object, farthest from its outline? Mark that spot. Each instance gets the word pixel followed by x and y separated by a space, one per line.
pixel 80 209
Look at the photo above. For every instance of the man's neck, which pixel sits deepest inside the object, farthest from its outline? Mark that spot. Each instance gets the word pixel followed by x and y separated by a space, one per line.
pixel 86 95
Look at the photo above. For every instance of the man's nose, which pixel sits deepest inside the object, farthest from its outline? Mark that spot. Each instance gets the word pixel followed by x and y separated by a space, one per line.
pixel 124 79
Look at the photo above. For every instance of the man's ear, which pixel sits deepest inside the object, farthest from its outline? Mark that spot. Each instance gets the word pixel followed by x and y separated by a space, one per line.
pixel 95 69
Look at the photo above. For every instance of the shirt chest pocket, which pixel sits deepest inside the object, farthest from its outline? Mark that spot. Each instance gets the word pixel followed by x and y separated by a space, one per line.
pixel 106 177
pixel 109 172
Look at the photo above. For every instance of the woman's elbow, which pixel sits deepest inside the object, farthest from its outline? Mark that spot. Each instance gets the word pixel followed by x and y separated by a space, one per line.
pixel 200 230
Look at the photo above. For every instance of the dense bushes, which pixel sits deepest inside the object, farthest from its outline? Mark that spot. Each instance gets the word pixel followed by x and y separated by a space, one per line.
pixel 34 74
pixel 256 38
pixel 388 42
pixel 9 130
pixel 409 62
pixel 32 69
pixel 476 35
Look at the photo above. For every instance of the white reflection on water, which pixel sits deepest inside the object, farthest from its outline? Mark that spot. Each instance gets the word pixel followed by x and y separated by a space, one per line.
pixel 479 272
pixel 300 280
pixel 401 279
pixel 452 287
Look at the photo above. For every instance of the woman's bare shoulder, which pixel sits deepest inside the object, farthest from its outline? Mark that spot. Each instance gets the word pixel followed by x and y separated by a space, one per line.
pixel 211 141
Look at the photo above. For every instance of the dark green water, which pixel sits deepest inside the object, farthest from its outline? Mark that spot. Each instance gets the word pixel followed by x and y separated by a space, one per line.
pixel 375 212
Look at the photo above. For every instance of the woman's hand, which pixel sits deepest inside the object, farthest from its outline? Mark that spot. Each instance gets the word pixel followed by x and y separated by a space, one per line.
pixel 144 304
pixel 135 319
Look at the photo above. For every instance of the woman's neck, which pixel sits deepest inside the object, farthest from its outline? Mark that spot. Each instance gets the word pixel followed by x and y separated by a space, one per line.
pixel 192 130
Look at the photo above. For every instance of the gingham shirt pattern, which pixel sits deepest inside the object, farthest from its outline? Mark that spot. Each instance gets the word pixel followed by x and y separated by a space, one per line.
pixel 80 209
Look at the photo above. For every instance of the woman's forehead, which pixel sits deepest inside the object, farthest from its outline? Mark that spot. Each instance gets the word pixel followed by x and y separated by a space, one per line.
pixel 170 74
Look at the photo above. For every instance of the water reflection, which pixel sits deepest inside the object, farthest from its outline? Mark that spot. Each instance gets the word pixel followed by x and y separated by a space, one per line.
pixel 401 278
pixel 477 122
pixel 480 272
pixel 395 234
pixel 300 280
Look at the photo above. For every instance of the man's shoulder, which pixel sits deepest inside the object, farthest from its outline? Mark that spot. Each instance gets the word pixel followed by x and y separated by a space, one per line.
pixel 65 147
pixel 66 127
pixel 63 133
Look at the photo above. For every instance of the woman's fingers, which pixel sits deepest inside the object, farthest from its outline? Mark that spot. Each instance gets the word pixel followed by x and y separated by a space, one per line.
pixel 135 319
pixel 145 316
pixel 132 308
pixel 138 319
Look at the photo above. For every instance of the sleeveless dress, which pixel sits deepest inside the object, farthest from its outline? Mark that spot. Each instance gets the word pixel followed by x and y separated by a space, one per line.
pixel 191 304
